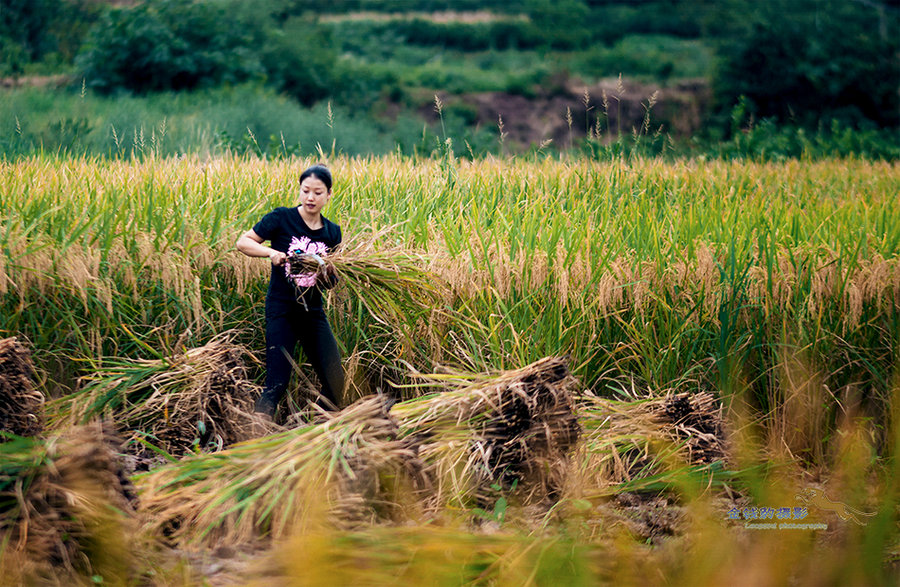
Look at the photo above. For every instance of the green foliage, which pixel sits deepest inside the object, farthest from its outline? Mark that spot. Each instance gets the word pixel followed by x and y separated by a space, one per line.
pixel 172 45
pixel 255 120
pixel 501 505
pixel 767 140
pixel 564 23
pixel 469 37
pixel 803 61
pixel 246 118
pixel 299 60
pixel 299 7
pixel 38 30
pixel 656 57
pixel 14 57
pixel 24 23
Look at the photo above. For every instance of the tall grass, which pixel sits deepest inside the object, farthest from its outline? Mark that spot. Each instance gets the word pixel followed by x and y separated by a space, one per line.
pixel 241 119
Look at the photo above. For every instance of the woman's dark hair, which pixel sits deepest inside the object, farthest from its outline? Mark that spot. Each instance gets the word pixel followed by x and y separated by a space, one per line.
pixel 320 172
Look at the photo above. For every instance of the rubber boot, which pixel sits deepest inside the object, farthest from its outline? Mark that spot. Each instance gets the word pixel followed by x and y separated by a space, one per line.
pixel 267 403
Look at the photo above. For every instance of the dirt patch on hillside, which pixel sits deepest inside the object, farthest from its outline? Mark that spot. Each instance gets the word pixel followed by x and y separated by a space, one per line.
pixel 574 110
pixel 36 81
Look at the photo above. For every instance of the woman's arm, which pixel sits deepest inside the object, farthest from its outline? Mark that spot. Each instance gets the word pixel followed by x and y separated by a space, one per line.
pixel 251 244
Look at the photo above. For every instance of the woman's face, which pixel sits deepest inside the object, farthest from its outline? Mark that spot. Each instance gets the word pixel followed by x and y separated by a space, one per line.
pixel 313 195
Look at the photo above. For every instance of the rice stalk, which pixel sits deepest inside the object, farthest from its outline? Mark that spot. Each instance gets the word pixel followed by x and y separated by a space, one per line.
pixel 198 399
pixel 21 405
pixel 346 467
pixel 512 430
pixel 66 508
pixel 391 281
pixel 641 442
pixel 388 294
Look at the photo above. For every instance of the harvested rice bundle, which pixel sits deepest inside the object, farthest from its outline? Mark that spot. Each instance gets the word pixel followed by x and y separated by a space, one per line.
pixel 514 429
pixel 21 406
pixel 65 507
pixel 696 420
pixel 392 282
pixel 629 440
pixel 345 468
pixel 200 398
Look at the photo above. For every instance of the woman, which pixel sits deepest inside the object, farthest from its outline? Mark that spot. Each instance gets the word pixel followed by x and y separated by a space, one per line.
pixel 294 311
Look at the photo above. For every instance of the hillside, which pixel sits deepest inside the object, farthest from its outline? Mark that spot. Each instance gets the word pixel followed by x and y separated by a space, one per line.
pixel 709 70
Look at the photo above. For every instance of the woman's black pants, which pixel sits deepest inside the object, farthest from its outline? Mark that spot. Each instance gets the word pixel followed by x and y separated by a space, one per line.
pixel 285 327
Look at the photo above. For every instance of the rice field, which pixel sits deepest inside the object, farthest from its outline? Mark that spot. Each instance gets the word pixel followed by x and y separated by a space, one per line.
pixel 601 371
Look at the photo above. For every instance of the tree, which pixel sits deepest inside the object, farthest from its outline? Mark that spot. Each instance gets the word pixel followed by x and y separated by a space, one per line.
pixel 564 23
pixel 300 60
pixel 173 45
pixel 808 61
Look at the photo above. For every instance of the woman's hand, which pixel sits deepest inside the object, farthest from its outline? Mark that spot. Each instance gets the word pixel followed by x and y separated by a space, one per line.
pixel 277 258
pixel 251 244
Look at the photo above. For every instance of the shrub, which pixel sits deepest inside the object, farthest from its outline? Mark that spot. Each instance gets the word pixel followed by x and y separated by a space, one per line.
pixel 771 141
pixel 172 45
pixel 33 31
pixel 300 61
pixel 564 23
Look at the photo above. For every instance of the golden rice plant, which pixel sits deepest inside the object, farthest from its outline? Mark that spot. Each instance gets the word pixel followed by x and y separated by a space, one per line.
pixel 427 555
pixel 590 242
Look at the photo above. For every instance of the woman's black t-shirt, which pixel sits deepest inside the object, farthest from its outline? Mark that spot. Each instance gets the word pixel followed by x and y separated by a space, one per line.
pixel 288 233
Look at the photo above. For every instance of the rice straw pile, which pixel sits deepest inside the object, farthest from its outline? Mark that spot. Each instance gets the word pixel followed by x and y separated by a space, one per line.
pixel 21 405
pixel 345 469
pixel 630 440
pixel 512 430
pixel 198 399
pixel 65 504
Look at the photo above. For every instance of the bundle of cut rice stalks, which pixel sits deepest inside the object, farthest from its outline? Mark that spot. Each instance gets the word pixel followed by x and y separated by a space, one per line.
pixel 200 399
pixel 629 441
pixel 392 283
pixel 65 508
pixel 21 405
pixel 513 431
pixel 346 469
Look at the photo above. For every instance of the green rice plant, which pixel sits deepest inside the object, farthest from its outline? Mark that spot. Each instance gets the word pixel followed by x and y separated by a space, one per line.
pixel 664 271
pixel 773 286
